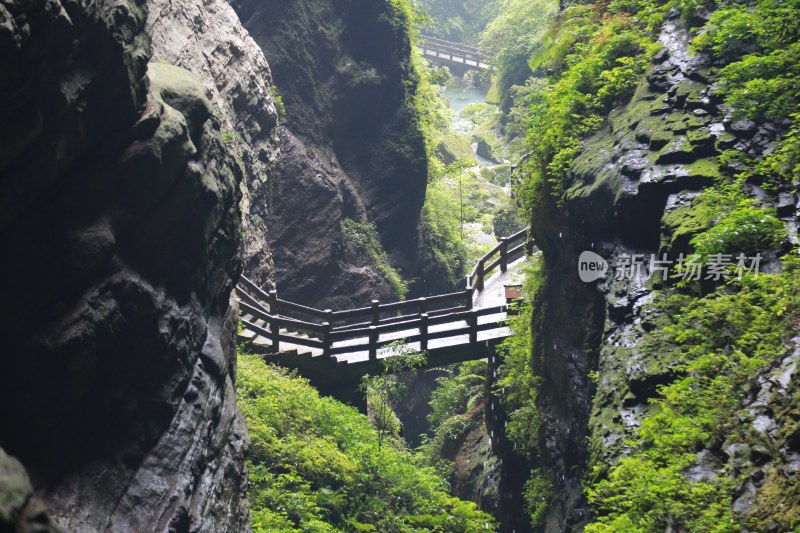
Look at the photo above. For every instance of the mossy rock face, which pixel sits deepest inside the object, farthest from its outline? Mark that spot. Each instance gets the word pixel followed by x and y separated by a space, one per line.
pixel 690 93
pixel 479 113
pixel 181 90
pixel 490 146
pixel 678 150
pixel 498 174
pixel 683 220
pixel 596 155
pixel 654 131
pixel 455 147
pixel 493 97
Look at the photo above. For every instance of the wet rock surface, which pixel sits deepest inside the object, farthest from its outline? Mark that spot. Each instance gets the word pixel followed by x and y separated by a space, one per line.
pixel 121 204
pixel 207 39
pixel 19 510
pixel 632 193
pixel 350 149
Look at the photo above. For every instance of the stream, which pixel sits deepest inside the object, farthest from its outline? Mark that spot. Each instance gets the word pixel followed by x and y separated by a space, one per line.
pixel 459 94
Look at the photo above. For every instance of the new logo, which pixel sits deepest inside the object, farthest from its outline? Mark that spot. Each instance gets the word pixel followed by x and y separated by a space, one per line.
pixel 591 266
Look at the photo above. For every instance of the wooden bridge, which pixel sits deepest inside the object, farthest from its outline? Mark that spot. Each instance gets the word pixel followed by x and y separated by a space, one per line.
pixel 341 346
pixel 448 53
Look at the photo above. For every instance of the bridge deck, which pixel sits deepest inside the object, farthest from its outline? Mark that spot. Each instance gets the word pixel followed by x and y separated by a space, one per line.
pixel 455 58
pixel 492 295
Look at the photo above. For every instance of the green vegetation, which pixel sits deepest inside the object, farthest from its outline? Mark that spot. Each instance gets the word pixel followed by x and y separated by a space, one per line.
pixel 459 21
pixel 383 391
pixel 717 345
pixel 512 37
pixel 279 105
pixel 746 229
pixel 453 404
pixel 516 378
pixel 230 136
pixel 519 385
pixel 594 63
pixel 364 237
pixel 315 466
pixel 722 342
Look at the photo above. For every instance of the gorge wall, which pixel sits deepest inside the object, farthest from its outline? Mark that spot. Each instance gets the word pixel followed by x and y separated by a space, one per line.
pixel 630 192
pixel 121 206
pixel 144 168
pixel 351 147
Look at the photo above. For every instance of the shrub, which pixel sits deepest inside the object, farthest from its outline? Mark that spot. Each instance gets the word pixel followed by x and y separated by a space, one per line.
pixel 314 465
pixel 745 230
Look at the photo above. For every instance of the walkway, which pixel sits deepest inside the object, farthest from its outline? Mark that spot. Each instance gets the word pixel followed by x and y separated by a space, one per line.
pixel 452 53
pixel 453 327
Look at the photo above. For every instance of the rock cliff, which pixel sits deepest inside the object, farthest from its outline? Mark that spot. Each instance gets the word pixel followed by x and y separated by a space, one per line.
pixel 206 38
pixel 121 206
pixel 631 185
pixel 351 147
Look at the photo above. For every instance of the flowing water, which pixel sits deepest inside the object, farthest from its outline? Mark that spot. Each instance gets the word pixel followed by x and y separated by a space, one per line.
pixel 459 94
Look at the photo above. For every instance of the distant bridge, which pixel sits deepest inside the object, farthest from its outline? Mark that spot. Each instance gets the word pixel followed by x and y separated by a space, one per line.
pixel 448 53
pixel 341 346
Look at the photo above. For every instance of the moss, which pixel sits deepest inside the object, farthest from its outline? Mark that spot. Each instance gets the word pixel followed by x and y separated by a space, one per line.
pixel 181 90
pixel 455 146
pixel 654 131
pixel 777 503
pixel 704 168
pixel 689 92
pixel 479 113
pixel 498 174
pixel 693 121
pixel 493 97
pixel 678 150
pixel 680 225
pixel 645 104
pixel 595 155
pixel 490 146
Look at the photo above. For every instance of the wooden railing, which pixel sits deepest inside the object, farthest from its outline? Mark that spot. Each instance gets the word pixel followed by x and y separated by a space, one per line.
pixel 365 325
pixel 509 249
pixel 455 52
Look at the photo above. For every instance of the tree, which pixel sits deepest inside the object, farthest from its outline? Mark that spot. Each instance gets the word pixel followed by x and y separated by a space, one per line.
pixel 384 390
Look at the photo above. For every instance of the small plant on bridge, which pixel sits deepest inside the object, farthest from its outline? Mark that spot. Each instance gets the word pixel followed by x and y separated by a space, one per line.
pixel 384 390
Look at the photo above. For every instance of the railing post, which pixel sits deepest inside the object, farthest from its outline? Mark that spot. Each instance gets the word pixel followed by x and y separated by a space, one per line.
pixel 479 281
pixel 373 343
pixel 503 254
pixel 423 305
pixel 473 328
pixel 528 246
pixel 273 302
pixel 468 292
pixel 326 333
pixel 275 330
pixel 326 339
pixel 423 332
pixel 376 312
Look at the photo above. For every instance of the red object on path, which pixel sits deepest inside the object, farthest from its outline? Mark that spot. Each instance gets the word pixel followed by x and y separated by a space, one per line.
pixel 513 291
